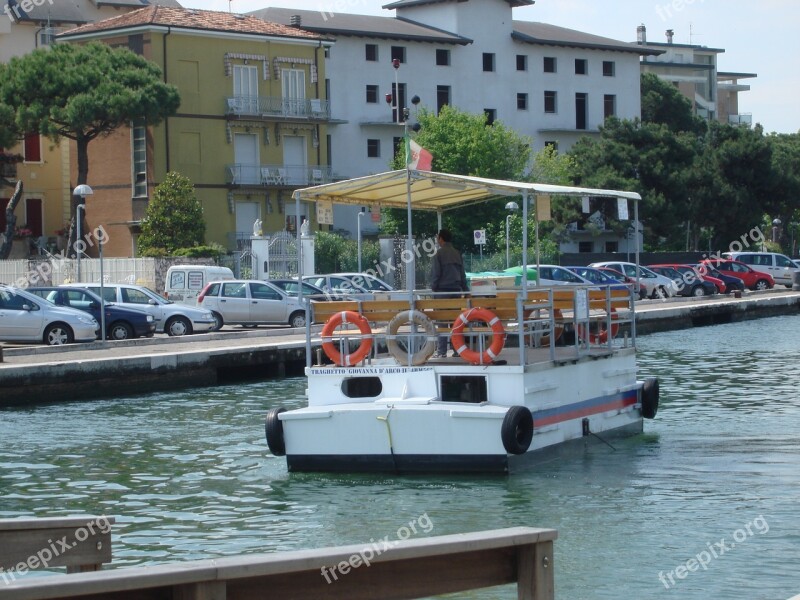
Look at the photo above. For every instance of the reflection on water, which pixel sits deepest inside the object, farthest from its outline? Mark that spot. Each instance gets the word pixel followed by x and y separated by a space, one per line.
pixel 188 476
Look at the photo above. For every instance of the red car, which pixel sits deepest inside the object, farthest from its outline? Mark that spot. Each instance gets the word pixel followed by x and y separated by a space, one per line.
pixel 753 280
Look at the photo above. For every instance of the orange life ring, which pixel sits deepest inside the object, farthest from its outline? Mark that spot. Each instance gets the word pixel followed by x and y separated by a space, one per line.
pixel 498 335
pixel 361 352
pixel 558 319
pixel 601 337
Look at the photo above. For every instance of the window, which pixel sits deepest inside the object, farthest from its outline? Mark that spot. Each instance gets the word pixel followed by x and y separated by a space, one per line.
pixel 136 43
pixel 443 57
pixel 522 101
pixel 488 61
pixel 372 94
pixel 491 115
pixel 327 51
pixel 609 105
pixel 397 145
pixel 581 68
pixel 550 102
pixel 399 100
pixel 373 148
pixel 580 110
pixel 234 290
pixel 585 247
pixel 129 295
pixel 245 89
pixel 522 62
pixel 371 52
pixel 261 291
pixel 399 53
pixel 551 144
pixel 609 68
pixel 549 64
pixel 612 246
pixel 442 97
pixel 32 147
pixel 139 158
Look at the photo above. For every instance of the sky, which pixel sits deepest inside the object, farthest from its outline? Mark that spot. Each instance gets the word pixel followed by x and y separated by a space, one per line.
pixel 761 38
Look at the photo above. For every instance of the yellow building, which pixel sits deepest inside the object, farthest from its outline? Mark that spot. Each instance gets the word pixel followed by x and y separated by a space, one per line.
pixel 251 126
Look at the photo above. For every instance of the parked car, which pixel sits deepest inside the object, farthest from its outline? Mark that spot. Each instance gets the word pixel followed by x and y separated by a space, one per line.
pixel 121 323
pixel 688 282
pixel 185 282
pixel 779 266
pixel 599 277
pixel 655 285
pixel 753 280
pixel 25 317
pixel 290 287
pixel 338 287
pixel 251 302
pixel 730 283
pixel 367 282
pixel 171 318
pixel 638 288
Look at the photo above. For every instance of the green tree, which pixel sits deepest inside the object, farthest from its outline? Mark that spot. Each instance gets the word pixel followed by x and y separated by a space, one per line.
pixel 174 217
pixel 335 254
pixel 463 144
pixel 663 103
pixel 81 92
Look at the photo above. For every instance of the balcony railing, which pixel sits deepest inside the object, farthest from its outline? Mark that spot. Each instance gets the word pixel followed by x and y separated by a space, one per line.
pixel 8 170
pixel 744 119
pixel 277 175
pixel 276 106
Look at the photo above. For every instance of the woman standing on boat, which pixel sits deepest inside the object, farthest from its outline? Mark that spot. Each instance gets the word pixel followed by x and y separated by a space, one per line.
pixel 447 275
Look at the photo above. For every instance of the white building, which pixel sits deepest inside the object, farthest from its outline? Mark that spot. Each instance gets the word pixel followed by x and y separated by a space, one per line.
pixel 552 84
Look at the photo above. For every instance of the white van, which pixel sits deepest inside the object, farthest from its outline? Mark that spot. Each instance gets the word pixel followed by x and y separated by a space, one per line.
pixel 185 282
pixel 780 266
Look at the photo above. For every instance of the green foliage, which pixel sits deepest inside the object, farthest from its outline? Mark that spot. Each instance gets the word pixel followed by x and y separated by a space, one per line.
pixel 83 91
pixel 463 144
pixel 335 254
pixel 663 103
pixel 174 217
pixel 154 252
pixel 213 250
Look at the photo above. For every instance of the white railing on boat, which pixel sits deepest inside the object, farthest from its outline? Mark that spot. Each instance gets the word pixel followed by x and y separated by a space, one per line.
pixel 593 316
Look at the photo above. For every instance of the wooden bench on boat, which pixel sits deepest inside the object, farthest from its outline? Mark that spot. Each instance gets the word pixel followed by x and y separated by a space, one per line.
pixel 446 310
pixel 78 543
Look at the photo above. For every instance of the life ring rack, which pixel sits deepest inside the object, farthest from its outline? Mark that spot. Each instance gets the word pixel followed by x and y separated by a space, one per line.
pixel 419 319
pixel 483 315
pixel 343 318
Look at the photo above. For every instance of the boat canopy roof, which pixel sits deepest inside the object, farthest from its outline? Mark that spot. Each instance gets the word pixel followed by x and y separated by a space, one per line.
pixel 436 191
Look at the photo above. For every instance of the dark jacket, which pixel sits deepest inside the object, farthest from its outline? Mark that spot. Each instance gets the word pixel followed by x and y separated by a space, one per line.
pixel 447 270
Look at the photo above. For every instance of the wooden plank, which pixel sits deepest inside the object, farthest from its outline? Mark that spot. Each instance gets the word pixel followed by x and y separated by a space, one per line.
pixel 81 543
pixel 544 566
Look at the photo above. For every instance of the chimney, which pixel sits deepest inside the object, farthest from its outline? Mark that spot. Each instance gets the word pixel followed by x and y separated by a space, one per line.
pixel 670 35
pixel 641 34
pixel 295 20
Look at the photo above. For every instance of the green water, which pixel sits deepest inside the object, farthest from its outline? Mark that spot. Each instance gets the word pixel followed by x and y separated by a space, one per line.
pixel 188 476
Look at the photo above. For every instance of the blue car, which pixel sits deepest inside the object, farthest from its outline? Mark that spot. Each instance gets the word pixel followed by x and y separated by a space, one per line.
pixel 599 277
pixel 121 323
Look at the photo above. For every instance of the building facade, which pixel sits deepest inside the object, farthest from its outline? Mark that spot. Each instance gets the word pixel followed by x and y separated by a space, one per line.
pixel 552 84
pixel 251 126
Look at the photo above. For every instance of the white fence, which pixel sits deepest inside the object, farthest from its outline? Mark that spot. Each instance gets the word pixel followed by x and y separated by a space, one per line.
pixel 57 270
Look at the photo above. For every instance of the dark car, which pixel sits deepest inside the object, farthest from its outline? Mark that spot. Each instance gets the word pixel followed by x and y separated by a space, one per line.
pixel 732 283
pixel 689 282
pixel 121 323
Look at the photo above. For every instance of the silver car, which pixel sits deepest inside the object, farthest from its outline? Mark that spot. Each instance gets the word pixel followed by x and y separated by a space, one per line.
pixel 654 284
pixel 251 302
pixel 27 318
pixel 171 318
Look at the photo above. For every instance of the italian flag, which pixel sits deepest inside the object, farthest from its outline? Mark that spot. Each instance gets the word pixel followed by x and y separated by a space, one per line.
pixel 420 159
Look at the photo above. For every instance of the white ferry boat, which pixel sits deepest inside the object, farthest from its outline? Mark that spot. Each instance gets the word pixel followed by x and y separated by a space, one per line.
pixel 381 401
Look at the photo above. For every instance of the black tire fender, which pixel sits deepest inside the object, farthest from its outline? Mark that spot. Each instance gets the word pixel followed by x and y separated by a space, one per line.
pixel 273 428
pixel 650 394
pixel 517 430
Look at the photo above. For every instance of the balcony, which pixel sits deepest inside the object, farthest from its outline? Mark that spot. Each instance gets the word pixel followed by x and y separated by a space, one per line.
pixel 277 176
pixel 8 171
pixel 743 119
pixel 276 107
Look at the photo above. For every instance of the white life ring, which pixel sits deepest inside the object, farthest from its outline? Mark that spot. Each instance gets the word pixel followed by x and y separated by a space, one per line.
pixel 419 319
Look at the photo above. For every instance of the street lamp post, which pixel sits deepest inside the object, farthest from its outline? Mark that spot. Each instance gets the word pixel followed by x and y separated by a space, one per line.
pixel 82 190
pixel 512 207
pixel 776 226
pixel 360 214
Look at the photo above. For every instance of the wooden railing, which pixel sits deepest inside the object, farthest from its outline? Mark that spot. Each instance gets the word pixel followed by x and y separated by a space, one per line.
pixel 409 569
pixel 78 543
